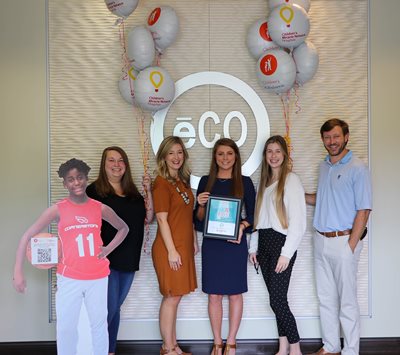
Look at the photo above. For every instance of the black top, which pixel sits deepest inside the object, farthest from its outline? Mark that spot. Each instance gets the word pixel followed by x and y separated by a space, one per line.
pixel 126 256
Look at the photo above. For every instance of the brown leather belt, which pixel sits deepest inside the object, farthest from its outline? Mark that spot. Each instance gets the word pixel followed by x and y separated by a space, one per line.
pixel 335 234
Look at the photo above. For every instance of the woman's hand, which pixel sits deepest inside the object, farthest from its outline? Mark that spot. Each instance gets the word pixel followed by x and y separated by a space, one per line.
pixel 242 227
pixel 253 258
pixel 202 199
pixel 195 242
pixel 174 259
pixel 148 198
pixel 282 264
pixel 196 247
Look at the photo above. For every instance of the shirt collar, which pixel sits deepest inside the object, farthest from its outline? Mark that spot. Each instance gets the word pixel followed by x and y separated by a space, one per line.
pixel 344 160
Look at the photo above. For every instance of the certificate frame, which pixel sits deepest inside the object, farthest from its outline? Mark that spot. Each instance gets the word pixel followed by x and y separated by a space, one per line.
pixel 222 219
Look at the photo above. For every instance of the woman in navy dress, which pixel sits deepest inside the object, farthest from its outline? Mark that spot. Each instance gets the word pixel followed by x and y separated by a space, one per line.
pixel 224 263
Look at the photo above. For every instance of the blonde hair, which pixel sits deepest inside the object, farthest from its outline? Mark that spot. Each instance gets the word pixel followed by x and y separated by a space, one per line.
pixel 266 180
pixel 162 168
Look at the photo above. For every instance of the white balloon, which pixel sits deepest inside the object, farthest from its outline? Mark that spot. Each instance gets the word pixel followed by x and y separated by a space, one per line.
pixel 276 71
pixel 289 25
pixel 305 4
pixel 122 8
pixel 140 47
pixel 154 89
pixel 125 86
pixel 307 59
pixel 258 39
pixel 163 22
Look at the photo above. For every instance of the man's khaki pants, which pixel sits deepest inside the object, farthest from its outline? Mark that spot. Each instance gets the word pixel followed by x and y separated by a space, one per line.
pixel 336 279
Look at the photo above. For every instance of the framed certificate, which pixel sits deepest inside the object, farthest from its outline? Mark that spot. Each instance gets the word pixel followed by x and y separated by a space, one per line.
pixel 222 217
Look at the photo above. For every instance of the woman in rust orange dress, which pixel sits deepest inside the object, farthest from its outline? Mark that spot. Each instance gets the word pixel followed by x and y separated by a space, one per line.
pixel 176 242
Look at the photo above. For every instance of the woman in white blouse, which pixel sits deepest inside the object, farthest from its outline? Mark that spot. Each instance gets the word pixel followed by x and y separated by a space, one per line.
pixel 280 222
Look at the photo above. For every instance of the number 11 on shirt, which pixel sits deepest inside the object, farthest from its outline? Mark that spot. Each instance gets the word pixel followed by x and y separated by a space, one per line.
pixel 81 249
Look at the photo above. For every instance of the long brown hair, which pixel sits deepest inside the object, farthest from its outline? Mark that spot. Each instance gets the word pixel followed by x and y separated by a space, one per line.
pixel 103 186
pixel 237 181
pixel 162 168
pixel 266 180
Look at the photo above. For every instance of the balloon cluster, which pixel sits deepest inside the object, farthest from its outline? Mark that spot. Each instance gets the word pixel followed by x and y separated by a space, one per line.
pixel 278 43
pixel 142 84
pixel 121 8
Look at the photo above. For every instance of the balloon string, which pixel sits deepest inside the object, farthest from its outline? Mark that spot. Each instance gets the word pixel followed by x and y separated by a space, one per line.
pixel 296 95
pixel 146 243
pixel 287 118
pixel 158 58
pixel 144 140
pixel 126 63
pixel 140 119
pixel 285 101
pixel 156 36
pixel 144 147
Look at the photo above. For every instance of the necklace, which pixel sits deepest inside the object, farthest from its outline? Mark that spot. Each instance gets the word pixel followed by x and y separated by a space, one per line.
pixel 223 180
pixel 183 194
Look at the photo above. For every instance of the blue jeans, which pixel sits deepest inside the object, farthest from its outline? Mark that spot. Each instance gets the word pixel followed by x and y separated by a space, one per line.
pixel 119 283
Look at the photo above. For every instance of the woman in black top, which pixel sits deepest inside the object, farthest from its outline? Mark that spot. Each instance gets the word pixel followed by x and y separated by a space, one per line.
pixel 114 187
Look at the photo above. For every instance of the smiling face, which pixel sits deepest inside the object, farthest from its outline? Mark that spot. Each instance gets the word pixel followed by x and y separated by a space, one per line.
pixel 225 158
pixel 274 156
pixel 175 159
pixel 114 166
pixel 335 143
pixel 75 182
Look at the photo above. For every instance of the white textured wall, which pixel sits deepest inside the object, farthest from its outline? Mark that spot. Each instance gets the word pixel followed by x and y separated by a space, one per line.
pixel 87 113
pixel 23 173
pixel 23 141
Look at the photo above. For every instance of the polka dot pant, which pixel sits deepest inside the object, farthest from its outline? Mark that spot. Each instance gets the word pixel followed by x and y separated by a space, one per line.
pixel 270 244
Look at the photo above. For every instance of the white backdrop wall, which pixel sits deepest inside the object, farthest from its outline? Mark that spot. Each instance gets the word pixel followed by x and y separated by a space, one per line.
pixel 87 114
pixel 24 146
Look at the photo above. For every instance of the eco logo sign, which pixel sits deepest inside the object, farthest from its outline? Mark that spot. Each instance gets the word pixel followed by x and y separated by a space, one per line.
pixel 186 130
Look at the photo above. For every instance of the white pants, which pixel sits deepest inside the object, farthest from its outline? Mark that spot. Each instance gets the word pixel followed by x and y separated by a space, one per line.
pixel 69 297
pixel 336 276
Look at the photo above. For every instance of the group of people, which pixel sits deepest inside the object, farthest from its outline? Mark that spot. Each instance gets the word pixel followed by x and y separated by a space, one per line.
pixel 275 216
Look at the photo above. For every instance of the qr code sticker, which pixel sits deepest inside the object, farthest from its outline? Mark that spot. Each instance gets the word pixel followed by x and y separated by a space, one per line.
pixel 44 255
